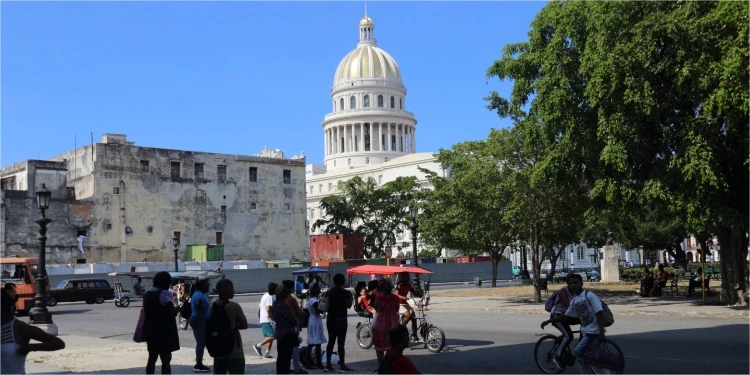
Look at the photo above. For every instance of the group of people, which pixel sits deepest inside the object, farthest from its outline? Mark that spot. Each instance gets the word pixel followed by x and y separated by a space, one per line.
pixel 652 284
pixel 160 326
pixel 282 320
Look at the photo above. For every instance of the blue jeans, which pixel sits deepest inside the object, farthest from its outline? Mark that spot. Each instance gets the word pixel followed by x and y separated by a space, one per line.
pixel 585 344
pixel 198 325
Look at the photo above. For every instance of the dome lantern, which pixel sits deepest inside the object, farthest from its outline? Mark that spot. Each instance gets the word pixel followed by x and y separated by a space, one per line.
pixel 367 29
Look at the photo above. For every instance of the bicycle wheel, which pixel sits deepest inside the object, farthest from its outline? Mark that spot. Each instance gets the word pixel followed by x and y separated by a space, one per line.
pixel 612 348
pixel 364 336
pixel 435 339
pixel 544 352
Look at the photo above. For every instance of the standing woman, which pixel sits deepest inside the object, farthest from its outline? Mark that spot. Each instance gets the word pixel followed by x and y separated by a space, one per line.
pixel 160 326
pixel 315 335
pixel 16 336
pixel 199 305
pixel 387 304
pixel 285 330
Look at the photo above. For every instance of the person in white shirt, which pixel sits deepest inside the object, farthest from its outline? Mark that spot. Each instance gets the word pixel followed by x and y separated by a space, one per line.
pixel 587 307
pixel 266 323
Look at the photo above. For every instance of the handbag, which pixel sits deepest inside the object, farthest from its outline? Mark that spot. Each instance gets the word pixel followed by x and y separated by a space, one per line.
pixel 138 335
pixel 323 302
pixel 600 356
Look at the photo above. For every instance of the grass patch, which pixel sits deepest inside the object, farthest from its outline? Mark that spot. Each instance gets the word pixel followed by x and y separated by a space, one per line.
pixel 601 289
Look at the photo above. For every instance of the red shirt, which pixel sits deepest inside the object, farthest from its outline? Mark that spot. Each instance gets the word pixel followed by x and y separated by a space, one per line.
pixel 403 365
pixel 403 289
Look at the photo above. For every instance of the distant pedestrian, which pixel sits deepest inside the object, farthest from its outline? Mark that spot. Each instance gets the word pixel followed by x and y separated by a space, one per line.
pixel 16 337
pixel 160 326
pixel 266 325
pixel 138 287
pixel 339 300
pixel 199 305
pixel 234 362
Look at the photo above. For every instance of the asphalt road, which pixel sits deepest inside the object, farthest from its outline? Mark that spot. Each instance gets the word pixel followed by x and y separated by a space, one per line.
pixel 485 342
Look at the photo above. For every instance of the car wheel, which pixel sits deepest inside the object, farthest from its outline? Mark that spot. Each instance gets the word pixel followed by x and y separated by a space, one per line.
pixel 51 301
pixel 90 302
pixel 99 300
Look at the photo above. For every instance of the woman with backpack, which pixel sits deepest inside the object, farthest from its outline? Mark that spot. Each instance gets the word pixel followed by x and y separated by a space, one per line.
pixel 199 304
pixel 160 326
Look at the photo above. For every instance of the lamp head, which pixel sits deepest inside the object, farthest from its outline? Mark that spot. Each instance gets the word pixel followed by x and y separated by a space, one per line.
pixel 175 241
pixel 42 197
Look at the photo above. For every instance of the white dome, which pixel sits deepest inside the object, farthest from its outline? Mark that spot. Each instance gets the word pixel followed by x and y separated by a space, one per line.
pixel 367 61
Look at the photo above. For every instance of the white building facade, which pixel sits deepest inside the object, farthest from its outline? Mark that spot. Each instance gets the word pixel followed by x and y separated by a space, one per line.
pixel 369 132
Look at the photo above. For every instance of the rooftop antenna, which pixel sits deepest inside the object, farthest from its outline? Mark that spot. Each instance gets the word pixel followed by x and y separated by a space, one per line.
pixel 365 9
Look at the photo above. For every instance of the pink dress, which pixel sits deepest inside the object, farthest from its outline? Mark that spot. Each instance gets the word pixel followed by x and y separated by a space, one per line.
pixel 386 317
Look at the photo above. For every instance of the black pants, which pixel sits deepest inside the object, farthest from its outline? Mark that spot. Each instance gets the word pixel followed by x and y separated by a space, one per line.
pixel 285 347
pixel 166 358
pixel 336 332
pixel 314 361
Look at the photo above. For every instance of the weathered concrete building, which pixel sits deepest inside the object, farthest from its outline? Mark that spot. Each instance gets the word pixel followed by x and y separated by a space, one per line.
pixel 131 201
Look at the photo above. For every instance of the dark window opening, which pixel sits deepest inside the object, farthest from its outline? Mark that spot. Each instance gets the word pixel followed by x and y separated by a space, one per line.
pixel 144 165
pixel 366 103
pixel 174 172
pixel 253 174
pixel 219 238
pixel 222 172
pixel 287 176
pixel 393 102
pixel 224 213
pixel 380 101
pixel 199 170
pixel 115 190
pixel 178 237
pixel 352 103
pixel 341 104
pixel 252 206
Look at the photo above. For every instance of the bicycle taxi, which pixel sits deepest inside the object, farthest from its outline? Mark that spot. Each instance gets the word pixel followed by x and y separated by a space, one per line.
pixel 301 283
pixel 183 286
pixel 123 296
pixel 431 336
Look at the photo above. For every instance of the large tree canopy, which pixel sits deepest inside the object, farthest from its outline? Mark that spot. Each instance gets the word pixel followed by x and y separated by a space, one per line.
pixel 651 100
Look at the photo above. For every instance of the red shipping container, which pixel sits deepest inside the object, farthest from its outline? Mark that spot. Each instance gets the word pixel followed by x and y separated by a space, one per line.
pixel 337 247
pixel 471 259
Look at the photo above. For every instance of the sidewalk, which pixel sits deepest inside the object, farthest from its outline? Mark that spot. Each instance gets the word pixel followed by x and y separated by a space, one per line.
pixel 106 356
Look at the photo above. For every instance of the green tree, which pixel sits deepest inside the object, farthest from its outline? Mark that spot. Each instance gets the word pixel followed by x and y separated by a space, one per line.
pixel 652 99
pixel 362 207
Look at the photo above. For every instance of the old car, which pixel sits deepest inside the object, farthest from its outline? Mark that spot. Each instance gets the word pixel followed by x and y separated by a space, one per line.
pixel 75 290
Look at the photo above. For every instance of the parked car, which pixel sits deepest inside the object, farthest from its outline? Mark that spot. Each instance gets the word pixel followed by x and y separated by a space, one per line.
pixel 75 290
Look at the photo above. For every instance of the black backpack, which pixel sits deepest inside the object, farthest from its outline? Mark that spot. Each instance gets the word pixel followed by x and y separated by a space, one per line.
pixel 220 337
pixel 385 366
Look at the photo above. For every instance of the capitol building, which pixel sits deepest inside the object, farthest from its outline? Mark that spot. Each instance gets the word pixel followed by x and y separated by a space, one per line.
pixel 368 133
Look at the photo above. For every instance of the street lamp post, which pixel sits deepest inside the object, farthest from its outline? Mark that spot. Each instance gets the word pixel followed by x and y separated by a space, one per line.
pixel 39 314
pixel 176 243
pixel 413 226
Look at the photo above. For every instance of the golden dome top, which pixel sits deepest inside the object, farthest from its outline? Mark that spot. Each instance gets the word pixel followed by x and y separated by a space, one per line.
pixel 365 21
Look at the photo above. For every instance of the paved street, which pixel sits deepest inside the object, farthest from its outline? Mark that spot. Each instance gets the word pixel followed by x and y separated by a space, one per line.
pixel 479 339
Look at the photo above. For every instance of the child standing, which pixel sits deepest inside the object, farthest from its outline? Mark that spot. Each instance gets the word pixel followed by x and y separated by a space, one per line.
pixel 315 335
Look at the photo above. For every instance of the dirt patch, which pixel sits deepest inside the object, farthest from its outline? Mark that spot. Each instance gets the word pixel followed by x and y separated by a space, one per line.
pixel 521 291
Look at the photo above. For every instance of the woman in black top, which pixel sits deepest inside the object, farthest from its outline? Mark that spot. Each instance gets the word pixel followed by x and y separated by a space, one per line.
pixel 160 326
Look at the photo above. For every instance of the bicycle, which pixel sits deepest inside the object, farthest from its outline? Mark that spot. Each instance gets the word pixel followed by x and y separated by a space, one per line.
pixel 546 347
pixel 431 335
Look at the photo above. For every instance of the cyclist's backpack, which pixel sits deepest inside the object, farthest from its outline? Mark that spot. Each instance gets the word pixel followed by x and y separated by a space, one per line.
pixel 220 337
pixel 385 366
pixel 609 318
pixel 550 304
pixel 186 310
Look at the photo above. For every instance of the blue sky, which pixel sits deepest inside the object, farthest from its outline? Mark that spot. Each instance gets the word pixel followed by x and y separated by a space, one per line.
pixel 233 77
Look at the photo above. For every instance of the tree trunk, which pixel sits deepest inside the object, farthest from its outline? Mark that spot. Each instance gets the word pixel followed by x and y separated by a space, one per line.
pixel 536 263
pixel 495 260
pixel 733 265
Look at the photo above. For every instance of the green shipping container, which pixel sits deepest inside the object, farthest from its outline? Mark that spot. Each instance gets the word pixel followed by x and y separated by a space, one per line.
pixel 204 253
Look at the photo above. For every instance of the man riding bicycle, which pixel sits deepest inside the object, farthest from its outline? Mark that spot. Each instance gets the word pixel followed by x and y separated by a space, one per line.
pixel 587 307
pixel 562 303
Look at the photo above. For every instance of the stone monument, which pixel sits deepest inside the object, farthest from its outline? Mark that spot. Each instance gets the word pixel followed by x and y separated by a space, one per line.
pixel 610 261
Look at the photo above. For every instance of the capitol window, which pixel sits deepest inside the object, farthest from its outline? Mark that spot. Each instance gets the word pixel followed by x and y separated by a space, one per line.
pixel 352 103
pixel 401 103
pixel 348 161
pixel 341 104
pixel 393 102
pixel 367 160
pixel 367 101
pixel 380 101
